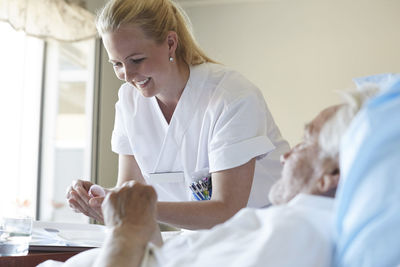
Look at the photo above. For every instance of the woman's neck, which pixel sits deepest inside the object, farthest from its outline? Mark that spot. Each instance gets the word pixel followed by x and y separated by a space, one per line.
pixel 168 99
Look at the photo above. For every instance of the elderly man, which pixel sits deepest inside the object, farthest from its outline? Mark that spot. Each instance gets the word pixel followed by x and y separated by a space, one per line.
pixel 294 232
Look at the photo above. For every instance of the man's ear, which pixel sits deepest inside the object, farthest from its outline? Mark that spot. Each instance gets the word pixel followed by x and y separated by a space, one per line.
pixel 328 181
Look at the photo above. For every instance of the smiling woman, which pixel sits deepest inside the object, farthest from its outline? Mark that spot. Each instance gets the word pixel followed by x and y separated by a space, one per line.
pixel 182 119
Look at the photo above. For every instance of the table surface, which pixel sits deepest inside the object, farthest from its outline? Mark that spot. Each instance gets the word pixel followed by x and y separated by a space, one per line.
pixel 34 258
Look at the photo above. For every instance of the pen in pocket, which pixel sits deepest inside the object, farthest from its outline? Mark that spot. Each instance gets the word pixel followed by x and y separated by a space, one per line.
pixel 202 189
pixel 196 192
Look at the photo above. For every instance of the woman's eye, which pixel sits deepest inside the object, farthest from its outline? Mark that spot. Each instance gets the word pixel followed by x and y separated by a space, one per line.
pixel 136 61
pixel 117 64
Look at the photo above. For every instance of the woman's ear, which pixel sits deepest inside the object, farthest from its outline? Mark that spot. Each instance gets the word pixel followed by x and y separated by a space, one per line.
pixel 172 41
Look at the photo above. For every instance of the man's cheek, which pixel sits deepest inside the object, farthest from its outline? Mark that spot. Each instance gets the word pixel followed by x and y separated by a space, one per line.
pixel 276 193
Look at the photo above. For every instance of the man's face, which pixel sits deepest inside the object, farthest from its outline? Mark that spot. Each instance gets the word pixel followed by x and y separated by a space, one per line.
pixel 302 165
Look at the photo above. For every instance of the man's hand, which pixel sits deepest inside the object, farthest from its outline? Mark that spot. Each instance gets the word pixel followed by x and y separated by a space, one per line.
pixel 80 201
pixel 132 208
pixel 130 211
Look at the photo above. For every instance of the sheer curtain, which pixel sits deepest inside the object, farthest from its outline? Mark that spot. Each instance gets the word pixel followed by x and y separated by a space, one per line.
pixel 56 19
pixel 20 91
pixel 69 31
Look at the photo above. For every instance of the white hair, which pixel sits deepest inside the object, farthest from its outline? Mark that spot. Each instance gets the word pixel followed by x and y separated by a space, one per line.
pixel 334 128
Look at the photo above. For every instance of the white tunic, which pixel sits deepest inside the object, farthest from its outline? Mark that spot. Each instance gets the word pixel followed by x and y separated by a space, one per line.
pixel 221 122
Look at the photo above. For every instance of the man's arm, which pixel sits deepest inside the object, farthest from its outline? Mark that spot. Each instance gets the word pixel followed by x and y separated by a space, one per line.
pixel 123 247
pixel 131 213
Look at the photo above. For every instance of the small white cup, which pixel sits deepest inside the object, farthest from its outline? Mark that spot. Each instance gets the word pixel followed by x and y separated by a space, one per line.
pixel 15 234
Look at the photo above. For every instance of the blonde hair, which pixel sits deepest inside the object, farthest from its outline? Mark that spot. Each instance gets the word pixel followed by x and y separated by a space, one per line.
pixel 156 18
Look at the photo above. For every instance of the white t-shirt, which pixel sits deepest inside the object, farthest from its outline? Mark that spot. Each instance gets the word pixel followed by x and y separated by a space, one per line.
pixel 296 234
pixel 221 122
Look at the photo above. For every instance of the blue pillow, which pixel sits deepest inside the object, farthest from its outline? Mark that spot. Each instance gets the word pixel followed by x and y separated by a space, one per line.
pixel 367 212
pixel 383 80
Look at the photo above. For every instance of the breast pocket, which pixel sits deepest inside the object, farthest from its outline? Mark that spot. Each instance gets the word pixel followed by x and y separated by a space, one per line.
pixel 170 186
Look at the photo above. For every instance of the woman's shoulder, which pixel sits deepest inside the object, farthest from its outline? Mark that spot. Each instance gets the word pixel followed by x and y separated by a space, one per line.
pixel 129 97
pixel 128 92
pixel 217 71
pixel 229 83
pixel 125 89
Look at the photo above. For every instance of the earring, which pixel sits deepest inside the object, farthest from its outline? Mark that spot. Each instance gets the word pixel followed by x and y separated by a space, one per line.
pixel 171 59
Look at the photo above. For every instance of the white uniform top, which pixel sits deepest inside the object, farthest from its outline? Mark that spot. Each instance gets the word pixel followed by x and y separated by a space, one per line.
pixel 220 122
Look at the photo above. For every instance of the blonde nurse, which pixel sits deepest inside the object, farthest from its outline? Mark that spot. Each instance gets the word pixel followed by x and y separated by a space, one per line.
pixel 182 118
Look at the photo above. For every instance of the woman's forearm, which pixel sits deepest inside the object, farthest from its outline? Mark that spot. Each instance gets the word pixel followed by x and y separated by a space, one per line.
pixel 226 200
pixel 195 215
pixel 128 170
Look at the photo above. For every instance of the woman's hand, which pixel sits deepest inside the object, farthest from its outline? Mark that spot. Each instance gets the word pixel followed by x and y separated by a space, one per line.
pixel 82 199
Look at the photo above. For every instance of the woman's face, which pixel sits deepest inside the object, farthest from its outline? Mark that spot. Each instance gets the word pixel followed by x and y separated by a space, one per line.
pixel 139 60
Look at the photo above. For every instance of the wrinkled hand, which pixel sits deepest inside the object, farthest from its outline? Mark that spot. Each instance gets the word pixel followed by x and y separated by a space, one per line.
pixel 80 201
pixel 132 207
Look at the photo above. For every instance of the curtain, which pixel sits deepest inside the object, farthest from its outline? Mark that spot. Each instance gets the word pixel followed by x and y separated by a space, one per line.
pixel 61 20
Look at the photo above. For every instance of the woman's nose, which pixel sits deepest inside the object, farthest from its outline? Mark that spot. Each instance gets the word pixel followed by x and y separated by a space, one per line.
pixel 128 74
pixel 122 74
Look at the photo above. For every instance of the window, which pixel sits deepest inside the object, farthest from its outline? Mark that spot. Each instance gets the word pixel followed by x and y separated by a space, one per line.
pixel 20 95
pixel 67 126
pixel 46 134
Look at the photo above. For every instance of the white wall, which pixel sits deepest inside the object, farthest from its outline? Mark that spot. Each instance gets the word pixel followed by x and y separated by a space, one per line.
pixel 107 89
pixel 299 51
pixel 107 168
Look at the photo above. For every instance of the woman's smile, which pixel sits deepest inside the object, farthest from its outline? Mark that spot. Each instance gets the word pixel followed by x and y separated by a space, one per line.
pixel 143 83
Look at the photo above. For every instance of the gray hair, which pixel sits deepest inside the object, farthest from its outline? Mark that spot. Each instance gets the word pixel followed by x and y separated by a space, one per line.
pixel 332 131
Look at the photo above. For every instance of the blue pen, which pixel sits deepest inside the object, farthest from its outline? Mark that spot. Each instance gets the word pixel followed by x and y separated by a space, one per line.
pixel 195 196
pixel 196 192
pixel 199 191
